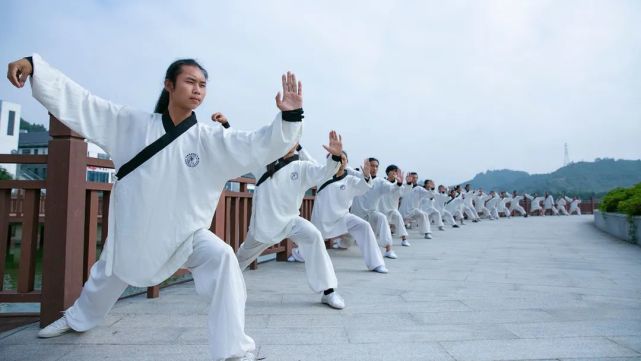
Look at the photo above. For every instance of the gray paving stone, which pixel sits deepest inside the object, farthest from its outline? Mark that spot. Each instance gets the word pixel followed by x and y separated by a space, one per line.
pixel 632 342
pixel 576 328
pixel 530 349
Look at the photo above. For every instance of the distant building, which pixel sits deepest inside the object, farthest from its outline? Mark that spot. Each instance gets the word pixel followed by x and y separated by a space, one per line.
pixel 37 143
pixel 9 131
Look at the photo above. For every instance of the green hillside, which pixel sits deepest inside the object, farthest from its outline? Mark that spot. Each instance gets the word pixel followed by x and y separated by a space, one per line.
pixel 584 179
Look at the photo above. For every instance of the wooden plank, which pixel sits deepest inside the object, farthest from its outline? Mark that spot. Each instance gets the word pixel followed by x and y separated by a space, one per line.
pixel 91 232
pixel 22 184
pixel 98 186
pixel 16 297
pixel 23 159
pixel 100 163
pixel 28 245
pixel 5 203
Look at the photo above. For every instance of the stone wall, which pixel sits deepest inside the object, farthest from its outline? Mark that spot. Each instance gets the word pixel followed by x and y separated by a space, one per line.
pixel 619 225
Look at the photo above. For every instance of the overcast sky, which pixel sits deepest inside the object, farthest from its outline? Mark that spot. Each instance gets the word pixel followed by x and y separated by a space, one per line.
pixel 448 89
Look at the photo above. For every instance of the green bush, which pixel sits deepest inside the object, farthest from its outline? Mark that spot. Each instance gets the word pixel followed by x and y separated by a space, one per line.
pixel 610 202
pixel 623 200
pixel 631 206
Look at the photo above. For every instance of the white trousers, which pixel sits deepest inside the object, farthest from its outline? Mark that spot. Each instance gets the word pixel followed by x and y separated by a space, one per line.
pixel 576 210
pixel 471 212
pixel 422 219
pixel 380 226
pixel 518 209
pixel 435 215
pixel 318 265
pixel 494 213
pixel 562 210
pixel 506 211
pixel 447 216
pixel 216 276
pixel 483 210
pixel 394 218
pixel 365 239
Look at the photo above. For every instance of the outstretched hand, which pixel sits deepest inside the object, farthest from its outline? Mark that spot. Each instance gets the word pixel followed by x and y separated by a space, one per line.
pixel 399 175
pixel 292 96
pixel 335 146
pixel 18 72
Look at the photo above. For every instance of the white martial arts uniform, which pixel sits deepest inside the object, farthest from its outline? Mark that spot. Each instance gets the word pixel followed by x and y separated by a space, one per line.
pixel 389 204
pixel 468 205
pixel 535 205
pixel 574 207
pixel 366 207
pixel 454 207
pixel 411 211
pixel 427 206
pixel 332 218
pixel 548 204
pixel 492 205
pixel 160 213
pixel 479 204
pixel 515 206
pixel 439 202
pixel 503 206
pixel 275 216
pixel 560 206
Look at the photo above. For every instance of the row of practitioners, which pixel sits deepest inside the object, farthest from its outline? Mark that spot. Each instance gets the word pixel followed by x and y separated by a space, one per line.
pixel 171 172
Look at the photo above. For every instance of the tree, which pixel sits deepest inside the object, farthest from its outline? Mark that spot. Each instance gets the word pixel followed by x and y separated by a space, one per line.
pixel 31 127
pixel 5 175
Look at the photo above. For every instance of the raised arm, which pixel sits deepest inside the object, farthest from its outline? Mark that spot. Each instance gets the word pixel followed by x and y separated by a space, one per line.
pixel 247 151
pixel 315 173
pixel 93 117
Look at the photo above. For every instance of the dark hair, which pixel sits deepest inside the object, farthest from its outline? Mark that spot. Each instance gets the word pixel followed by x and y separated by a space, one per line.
pixel 390 168
pixel 372 159
pixel 172 73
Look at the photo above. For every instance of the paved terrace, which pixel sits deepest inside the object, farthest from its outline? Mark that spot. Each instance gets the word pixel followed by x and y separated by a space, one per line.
pixel 551 288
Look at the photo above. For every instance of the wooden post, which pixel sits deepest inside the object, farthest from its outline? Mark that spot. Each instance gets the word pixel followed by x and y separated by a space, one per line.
pixel 5 204
pixel 29 241
pixel 62 267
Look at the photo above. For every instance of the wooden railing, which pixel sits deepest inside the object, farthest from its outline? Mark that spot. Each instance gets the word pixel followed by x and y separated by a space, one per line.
pixel 70 208
pixel 71 212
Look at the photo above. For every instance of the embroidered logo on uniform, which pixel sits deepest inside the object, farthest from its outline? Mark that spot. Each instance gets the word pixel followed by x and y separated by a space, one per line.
pixel 294 176
pixel 342 187
pixel 192 160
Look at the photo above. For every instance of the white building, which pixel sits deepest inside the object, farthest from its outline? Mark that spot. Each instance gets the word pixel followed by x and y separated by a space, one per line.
pixel 9 131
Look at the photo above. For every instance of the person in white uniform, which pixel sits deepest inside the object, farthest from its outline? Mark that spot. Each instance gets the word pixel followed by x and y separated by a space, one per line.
pixel 468 204
pixel 515 205
pixel 454 206
pixel 492 204
pixel 428 205
pixel 278 196
pixel 332 218
pixel 149 238
pixel 366 207
pixel 548 205
pixel 535 206
pixel 479 203
pixel 440 199
pixel 502 207
pixel 574 206
pixel 410 207
pixel 390 202
pixel 560 205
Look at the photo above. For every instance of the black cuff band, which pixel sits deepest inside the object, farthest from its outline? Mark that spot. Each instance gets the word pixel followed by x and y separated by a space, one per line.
pixel 226 125
pixel 30 58
pixel 299 147
pixel 400 184
pixel 295 115
pixel 336 158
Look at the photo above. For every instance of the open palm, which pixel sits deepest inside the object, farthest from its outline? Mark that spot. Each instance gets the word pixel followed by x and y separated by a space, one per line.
pixel 292 95
pixel 335 146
